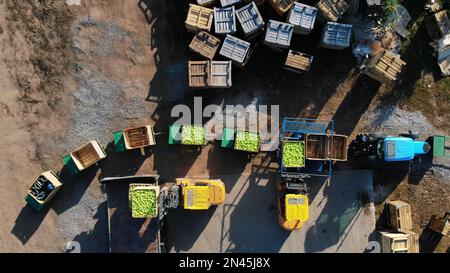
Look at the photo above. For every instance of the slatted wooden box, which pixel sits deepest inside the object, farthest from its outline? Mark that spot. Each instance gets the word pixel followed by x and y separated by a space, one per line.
pixel 205 44
pixel 298 62
pixel 199 18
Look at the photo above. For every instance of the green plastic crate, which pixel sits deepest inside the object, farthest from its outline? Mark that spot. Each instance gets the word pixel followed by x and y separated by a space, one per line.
pixel 119 141
pixel 70 164
pixel 228 138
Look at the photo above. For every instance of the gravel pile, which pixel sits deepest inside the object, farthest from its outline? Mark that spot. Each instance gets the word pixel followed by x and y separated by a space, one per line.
pixel 393 120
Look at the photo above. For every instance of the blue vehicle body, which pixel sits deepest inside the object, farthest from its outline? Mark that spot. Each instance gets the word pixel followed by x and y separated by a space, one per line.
pixel 403 148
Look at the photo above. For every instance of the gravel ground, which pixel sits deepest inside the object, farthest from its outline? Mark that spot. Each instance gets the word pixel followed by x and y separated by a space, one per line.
pixel 393 120
pixel 102 104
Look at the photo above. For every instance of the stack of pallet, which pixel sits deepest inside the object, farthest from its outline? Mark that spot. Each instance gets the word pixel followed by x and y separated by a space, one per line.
pixel 401 238
pixel 209 74
pixel 281 6
pixel 199 18
pixel 298 62
pixel 332 10
pixel 384 67
pixel 236 50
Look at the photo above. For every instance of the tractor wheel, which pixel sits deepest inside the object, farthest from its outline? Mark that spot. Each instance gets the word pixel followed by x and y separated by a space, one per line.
pixel 410 135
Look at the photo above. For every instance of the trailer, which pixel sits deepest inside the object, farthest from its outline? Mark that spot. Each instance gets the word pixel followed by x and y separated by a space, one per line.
pixel 84 156
pixel 298 62
pixel 332 10
pixel 137 137
pixel 188 135
pixel 43 189
pixel 209 74
pixel 129 234
pixel 278 34
pixel 280 6
pixel 302 17
pixel 336 36
pixel 250 19
pixel 224 20
pixel 383 67
pixel 205 44
pixel 440 146
pixel 235 49
pixel 199 18
pixel 301 130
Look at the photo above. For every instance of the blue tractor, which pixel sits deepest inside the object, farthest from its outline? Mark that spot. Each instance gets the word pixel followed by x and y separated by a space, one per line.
pixel 381 148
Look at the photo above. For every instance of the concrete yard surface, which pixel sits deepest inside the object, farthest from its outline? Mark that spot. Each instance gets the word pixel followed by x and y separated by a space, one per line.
pixel 341 218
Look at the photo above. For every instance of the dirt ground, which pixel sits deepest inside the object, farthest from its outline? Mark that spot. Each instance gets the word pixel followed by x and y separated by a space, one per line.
pixel 74 73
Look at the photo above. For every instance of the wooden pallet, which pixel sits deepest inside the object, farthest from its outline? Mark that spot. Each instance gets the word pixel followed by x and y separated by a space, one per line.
pixel 205 44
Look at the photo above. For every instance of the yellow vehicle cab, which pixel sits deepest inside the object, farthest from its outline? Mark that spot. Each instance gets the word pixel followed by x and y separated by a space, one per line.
pixel 295 211
pixel 201 194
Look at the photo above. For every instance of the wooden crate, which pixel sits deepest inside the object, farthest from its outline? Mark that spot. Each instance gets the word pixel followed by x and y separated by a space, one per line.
pixel 36 187
pixel 332 10
pixel 206 3
pixel 199 18
pixel 326 147
pixel 220 75
pixel 205 74
pixel 399 215
pixel 205 44
pixel 440 225
pixel 393 242
pixel 298 62
pixel 139 137
pixel 280 6
pixel 199 74
pixel 235 49
pixel 384 67
pixel 87 155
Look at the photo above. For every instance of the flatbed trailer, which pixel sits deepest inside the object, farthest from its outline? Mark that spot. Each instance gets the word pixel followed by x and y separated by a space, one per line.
pixel 127 234
pixel 297 129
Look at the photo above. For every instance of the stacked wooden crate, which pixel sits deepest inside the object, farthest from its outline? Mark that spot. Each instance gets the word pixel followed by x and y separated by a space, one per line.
pixel 205 44
pixel 298 62
pixel 236 50
pixel 199 18
pixel 336 36
pixel 278 34
pixel 280 6
pixel 224 20
pixel 250 19
pixel 401 238
pixel 302 17
pixel 209 74
pixel 384 67
pixel 332 10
